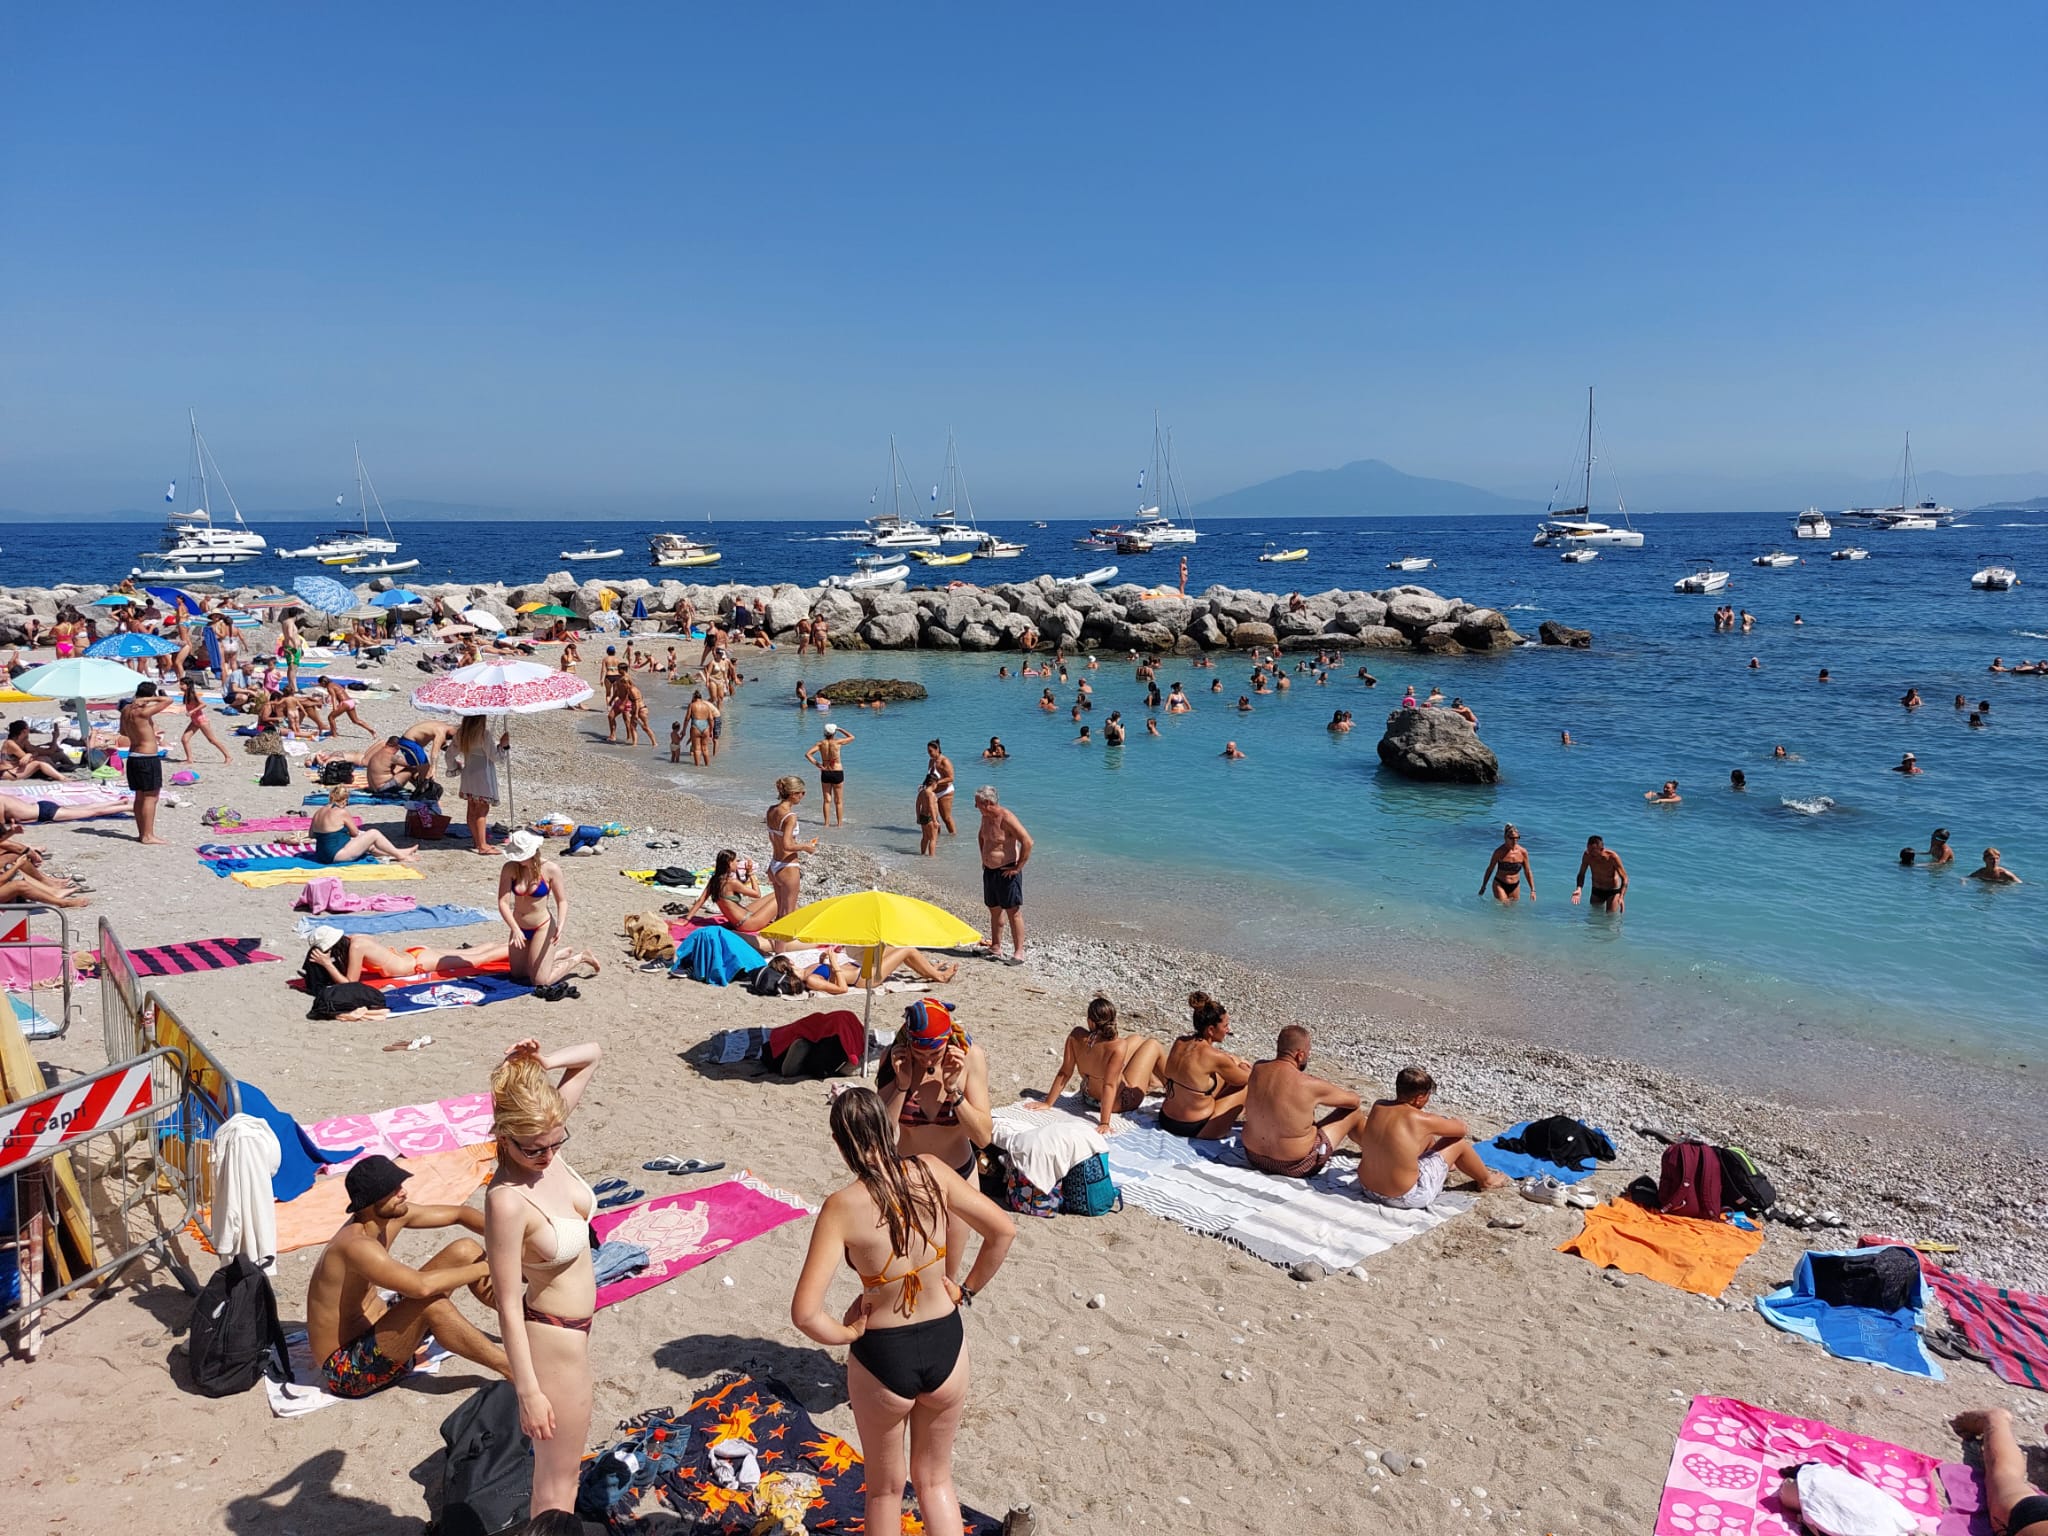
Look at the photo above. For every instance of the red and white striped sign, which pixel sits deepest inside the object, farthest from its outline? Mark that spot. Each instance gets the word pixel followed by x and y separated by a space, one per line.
pixel 34 1128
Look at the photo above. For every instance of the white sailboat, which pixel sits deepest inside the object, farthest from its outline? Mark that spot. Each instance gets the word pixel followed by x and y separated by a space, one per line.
pixel 1576 526
pixel 1909 514
pixel 1150 527
pixel 351 544
pixel 952 525
pixel 191 537
pixel 890 529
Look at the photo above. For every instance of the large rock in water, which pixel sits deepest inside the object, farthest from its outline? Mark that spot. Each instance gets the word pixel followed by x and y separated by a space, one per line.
pixel 865 690
pixel 1438 746
pixel 1554 633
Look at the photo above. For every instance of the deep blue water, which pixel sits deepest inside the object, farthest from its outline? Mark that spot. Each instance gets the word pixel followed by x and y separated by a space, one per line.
pixel 1757 908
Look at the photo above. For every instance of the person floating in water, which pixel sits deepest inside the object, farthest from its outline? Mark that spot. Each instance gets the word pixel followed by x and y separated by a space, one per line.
pixel 1938 850
pixel 1230 751
pixel 1668 795
pixel 1907 765
pixel 1737 779
pixel 1911 699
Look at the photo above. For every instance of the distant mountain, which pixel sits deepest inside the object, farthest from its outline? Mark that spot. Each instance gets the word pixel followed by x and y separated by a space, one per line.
pixel 1364 488
pixel 2031 504
pixel 1676 492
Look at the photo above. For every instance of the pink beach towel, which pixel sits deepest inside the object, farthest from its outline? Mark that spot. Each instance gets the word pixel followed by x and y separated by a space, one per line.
pixel 69 793
pixel 1724 1470
pixel 683 1230
pixel 25 967
pixel 327 894
pixel 411 1130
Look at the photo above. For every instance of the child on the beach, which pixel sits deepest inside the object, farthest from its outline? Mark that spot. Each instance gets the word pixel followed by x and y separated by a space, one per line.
pixel 675 741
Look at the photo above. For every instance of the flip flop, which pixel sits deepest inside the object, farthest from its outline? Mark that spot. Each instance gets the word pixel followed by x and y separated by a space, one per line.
pixel 623 1197
pixel 607 1186
pixel 694 1165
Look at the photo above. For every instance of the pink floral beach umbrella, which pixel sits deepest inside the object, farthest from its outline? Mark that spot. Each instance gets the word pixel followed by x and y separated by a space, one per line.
pixel 501 688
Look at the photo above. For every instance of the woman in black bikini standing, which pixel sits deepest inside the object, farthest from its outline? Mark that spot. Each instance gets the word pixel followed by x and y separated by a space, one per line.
pixel 1508 868
pixel 906 1365
pixel 831 773
pixel 935 1084
pixel 1200 1112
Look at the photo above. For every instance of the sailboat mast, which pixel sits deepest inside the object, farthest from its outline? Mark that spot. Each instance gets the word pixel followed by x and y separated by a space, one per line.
pixel 362 501
pixel 1589 452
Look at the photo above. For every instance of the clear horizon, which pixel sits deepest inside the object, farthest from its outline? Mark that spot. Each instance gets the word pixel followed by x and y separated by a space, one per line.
pixel 704 261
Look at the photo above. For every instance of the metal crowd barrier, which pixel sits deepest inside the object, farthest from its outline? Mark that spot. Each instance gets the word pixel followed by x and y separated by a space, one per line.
pixel 34 957
pixel 74 1185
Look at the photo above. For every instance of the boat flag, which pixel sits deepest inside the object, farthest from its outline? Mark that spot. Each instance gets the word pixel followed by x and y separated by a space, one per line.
pixel 171 491
pixel 1141 479
pixel 935 495
pixel 337 501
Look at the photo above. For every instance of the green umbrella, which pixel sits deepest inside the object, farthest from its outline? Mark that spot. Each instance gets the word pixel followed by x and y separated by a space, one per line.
pixel 554 611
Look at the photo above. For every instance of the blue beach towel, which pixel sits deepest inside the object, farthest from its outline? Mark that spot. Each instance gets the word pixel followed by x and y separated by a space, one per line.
pixel 363 797
pixel 714 955
pixel 226 867
pixel 434 916
pixel 1520 1165
pixel 453 992
pixel 1889 1339
pixel 301 1158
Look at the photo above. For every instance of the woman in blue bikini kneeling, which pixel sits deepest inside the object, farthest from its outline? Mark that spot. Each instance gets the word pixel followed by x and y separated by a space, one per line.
pixel 534 902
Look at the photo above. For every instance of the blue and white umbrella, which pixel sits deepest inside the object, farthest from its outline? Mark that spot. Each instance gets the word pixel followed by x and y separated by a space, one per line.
pixel 123 646
pixel 324 594
pixel 398 597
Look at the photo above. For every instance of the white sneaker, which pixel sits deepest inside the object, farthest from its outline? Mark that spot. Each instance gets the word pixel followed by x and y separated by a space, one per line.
pixel 1543 1191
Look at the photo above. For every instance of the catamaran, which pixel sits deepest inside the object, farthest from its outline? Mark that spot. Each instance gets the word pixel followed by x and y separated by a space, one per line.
pixel 1576 526
pixel 1150 526
pixel 891 529
pixel 1908 515
pixel 191 538
pixel 351 544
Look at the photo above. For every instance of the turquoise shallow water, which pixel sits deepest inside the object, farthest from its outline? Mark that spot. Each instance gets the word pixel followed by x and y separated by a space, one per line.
pixel 1749 913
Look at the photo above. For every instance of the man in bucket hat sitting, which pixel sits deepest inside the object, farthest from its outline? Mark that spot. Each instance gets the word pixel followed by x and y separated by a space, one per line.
pixel 364 1345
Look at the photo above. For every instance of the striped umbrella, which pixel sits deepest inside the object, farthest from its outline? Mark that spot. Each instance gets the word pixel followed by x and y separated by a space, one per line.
pixel 324 594
pixel 501 688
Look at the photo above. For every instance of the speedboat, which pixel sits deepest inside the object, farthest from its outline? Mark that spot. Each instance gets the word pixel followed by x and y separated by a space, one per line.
pixel 1850 552
pixel 1775 559
pixel 1996 578
pixel 993 548
pixel 1282 556
pixel 177 573
pixel 381 567
pixel 1099 538
pixel 1411 563
pixel 1131 544
pixel 1704 579
pixel 1095 578
pixel 863 581
pixel 1579 554
pixel 589 552
pixel 1813 524
pixel 673 549
pixel 1909 522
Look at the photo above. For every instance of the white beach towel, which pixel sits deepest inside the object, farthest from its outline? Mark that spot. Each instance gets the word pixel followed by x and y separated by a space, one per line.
pixel 1044 1147
pixel 303 1394
pixel 1283 1221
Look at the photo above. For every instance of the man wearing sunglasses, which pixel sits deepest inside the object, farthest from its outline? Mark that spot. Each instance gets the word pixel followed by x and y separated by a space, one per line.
pixel 364 1345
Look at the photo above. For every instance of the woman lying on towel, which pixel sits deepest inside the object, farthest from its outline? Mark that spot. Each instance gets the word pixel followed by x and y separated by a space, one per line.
pixel 1116 1071
pixel 729 899
pixel 337 957
pixel 837 975
pixel 337 839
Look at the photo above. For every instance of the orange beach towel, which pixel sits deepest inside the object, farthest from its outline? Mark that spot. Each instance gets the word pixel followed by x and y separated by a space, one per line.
pixel 1682 1251
pixel 438 1178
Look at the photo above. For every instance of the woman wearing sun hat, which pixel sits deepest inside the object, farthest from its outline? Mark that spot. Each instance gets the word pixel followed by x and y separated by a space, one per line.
pixel 935 1084
pixel 533 899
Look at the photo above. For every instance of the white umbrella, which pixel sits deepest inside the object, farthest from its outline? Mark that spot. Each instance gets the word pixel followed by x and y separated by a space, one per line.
pixel 77 679
pixel 483 619
pixel 501 688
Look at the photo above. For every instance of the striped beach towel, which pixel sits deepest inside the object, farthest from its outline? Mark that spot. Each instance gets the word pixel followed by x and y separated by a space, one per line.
pixel 196 955
pixel 254 850
pixel 2010 1327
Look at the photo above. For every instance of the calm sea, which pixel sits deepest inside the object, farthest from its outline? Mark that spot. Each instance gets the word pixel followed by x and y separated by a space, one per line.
pixel 1750 913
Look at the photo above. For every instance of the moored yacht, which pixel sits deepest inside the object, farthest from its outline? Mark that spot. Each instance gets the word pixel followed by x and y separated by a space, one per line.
pixel 1704 579
pixel 1775 559
pixel 1813 524
pixel 1576 526
pixel 348 545
pixel 1996 578
pixel 670 550
pixel 192 537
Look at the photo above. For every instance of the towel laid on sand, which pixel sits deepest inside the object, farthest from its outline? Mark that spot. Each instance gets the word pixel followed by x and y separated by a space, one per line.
pixel 1725 1465
pixel 1889 1339
pixel 257 863
pixel 79 793
pixel 453 992
pixel 2009 1328
pixel 326 895
pixel 197 955
pixel 361 797
pixel 683 1230
pixel 402 920
pixel 263 879
pixel 1283 1221
pixel 286 850
pixel 1681 1251
pixel 410 1130
pixel 438 1178
pixel 1520 1165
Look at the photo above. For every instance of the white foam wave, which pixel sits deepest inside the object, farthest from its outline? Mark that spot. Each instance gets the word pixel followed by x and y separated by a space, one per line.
pixel 2023 525
pixel 2031 634
pixel 1818 805
pixel 1523 608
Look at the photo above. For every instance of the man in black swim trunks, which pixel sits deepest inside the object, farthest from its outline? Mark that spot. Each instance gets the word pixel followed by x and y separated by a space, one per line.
pixel 145 768
pixel 1005 850
pixel 1610 880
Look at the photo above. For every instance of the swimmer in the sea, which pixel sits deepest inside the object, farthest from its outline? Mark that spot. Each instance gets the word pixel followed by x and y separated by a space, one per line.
pixel 1755 665
pixel 1668 795
pixel 1976 721
pixel 1564 738
pixel 995 751
pixel 1938 850
pixel 1230 750
pixel 1610 880
pixel 1907 764
pixel 1991 872
pixel 1215 685
pixel 1244 705
pixel 1962 701
pixel 1737 779
pixel 1907 856
pixel 1340 722
pixel 1824 677
pixel 1508 870
pixel 1151 726
pixel 1910 699
pixel 1048 703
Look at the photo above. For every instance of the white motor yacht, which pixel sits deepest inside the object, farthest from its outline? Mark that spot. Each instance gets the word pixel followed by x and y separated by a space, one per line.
pixel 192 537
pixel 1579 555
pixel 1996 578
pixel 673 549
pixel 1775 559
pixel 1411 563
pixel 993 548
pixel 1704 579
pixel 1850 552
pixel 1813 524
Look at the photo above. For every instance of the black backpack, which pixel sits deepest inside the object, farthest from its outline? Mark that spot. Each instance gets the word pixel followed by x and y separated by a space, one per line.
pixel 1743 1185
pixel 277 771
pixel 337 772
pixel 487 1485
pixel 235 1337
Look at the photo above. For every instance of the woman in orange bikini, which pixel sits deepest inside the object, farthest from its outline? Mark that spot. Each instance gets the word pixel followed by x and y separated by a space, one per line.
pixel 1204 1083
pixel 906 1364
pixel 537 1212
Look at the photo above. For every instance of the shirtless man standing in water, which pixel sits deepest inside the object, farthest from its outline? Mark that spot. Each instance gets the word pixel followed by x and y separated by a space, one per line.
pixel 1406 1153
pixel 1610 880
pixel 1005 850
pixel 145 768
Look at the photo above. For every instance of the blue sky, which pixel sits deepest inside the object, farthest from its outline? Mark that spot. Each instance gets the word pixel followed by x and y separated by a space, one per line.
pixel 649 258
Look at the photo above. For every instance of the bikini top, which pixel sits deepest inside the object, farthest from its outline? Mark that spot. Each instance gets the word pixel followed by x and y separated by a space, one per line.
pixel 913 1281
pixel 913 1113
pixel 571 1233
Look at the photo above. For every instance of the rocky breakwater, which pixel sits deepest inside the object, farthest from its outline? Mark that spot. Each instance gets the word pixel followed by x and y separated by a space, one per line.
pixel 1009 616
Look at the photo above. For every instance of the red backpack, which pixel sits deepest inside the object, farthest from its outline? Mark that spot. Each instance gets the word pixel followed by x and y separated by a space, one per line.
pixel 1689 1182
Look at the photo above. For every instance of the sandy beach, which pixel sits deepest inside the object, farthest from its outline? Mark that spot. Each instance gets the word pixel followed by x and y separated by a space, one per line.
pixel 1521 1389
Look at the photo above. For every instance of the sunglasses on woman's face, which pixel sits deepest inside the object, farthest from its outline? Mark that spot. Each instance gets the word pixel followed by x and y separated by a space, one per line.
pixel 543 1149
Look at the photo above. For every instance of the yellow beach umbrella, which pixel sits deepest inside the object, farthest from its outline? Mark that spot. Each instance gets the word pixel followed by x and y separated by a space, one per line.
pixel 874 921
pixel 529 607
